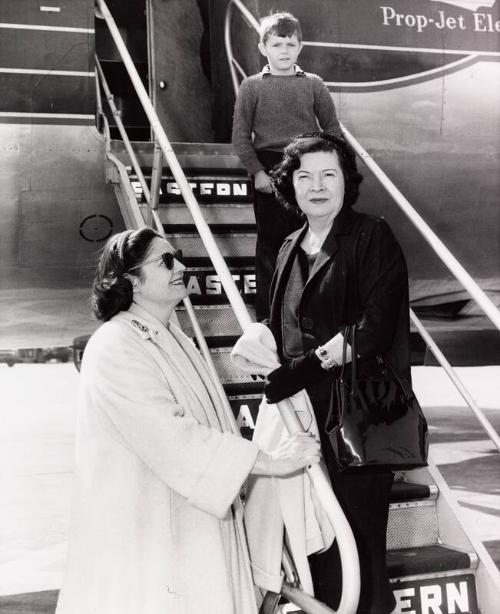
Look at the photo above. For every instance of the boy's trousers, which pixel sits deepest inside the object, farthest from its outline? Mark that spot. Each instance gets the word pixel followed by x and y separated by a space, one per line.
pixel 274 223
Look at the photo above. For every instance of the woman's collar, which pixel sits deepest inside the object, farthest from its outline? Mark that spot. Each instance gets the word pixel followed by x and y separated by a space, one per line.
pixel 144 322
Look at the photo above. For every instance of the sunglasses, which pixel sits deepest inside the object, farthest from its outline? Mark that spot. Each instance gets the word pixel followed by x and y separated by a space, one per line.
pixel 167 258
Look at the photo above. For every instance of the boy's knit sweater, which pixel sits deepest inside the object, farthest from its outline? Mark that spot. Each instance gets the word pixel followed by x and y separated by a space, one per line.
pixel 277 108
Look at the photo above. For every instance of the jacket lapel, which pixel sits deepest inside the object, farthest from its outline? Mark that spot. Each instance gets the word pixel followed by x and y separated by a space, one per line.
pixel 175 355
pixel 283 271
pixel 341 225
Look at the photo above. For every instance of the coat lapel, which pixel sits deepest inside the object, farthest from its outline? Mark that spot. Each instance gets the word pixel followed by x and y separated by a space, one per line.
pixel 206 386
pixel 283 271
pixel 341 225
pixel 170 348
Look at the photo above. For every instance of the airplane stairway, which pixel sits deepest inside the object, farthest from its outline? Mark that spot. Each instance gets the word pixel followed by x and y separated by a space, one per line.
pixel 432 563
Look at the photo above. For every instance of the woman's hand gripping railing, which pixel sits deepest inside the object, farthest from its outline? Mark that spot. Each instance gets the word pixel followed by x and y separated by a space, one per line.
pixel 345 539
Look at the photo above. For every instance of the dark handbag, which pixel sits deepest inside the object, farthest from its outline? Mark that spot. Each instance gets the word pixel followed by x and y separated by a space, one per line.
pixel 375 420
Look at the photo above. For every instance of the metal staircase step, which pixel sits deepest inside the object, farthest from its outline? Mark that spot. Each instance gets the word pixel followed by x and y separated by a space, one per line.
pixel 436 579
pixel 434 559
pixel 409 491
pixel 214 320
pixel 221 341
pixel 214 213
pixel 205 155
pixel 246 388
pixel 228 372
pixel 229 243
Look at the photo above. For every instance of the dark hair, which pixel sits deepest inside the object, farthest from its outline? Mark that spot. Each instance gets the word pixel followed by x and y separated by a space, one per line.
pixel 280 24
pixel 282 173
pixel 112 290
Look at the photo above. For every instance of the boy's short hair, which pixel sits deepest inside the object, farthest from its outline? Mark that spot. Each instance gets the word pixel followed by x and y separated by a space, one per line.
pixel 280 24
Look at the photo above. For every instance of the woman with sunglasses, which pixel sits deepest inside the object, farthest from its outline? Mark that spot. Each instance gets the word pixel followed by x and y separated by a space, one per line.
pixel 156 524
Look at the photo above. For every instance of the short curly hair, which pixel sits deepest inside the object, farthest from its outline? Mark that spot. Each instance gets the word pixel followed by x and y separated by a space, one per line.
pixel 112 290
pixel 282 173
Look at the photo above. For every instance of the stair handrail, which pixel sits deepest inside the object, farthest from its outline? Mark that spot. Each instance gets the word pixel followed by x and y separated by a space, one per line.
pixel 453 265
pixel 459 272
pixel 326 497
pixel 457 382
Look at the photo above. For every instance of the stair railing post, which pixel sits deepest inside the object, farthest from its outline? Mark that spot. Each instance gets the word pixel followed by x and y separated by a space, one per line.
pixel 156 173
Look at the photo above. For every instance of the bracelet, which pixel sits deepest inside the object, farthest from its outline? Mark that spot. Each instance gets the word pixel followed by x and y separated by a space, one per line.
pixel 327 361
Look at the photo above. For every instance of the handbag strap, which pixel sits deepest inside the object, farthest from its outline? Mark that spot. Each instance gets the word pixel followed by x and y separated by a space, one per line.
pixel 403 385
pixel 345 334
pixel 352 330
pixel 349 331
pixel 335 384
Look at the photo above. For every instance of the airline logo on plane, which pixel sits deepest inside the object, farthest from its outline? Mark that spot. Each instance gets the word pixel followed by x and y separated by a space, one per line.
pixel 440 21
pixel 470 5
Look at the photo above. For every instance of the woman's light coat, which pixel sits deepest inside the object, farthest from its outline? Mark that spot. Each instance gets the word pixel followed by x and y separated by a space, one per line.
pixel 156 525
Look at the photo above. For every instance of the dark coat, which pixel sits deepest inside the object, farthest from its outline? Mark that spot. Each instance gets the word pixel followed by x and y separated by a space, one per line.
pixel 359 276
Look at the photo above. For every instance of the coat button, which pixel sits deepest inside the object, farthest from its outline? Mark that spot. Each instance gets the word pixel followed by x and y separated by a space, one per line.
pixel 307 323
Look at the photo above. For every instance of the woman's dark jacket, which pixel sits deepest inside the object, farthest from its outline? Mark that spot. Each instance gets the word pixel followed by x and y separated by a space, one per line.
pixel 359 276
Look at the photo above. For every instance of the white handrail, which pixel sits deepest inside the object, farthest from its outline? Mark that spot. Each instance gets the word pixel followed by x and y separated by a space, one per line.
pixel 429 235
pixel 441 358
pixel 345 538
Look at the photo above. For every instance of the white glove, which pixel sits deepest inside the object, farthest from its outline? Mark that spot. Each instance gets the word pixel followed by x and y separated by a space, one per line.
pixel 255 351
